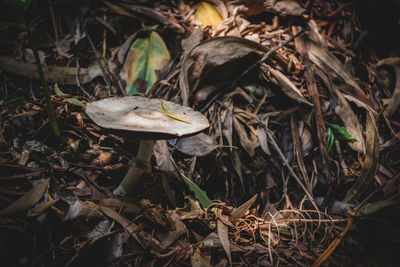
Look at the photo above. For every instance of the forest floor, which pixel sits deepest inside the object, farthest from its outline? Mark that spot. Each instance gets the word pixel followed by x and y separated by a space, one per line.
pixel 299 165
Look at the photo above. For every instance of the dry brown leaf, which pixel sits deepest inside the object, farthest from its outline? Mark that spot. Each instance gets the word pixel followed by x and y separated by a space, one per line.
pixel 244 139
pixel 370 163
pixel 129 226
pixel 345 112
pixel 395 98
pixel 25 202
pixel 194 39
pixel 196 145
pixel 280 7
pixel 284 7
pixel 198 261
pixel 228 123
pixel 103 159
pixel 163 158
pixel 222 230
pixel 85 213
pixel 41 207
pixel 343 80
pixel 192 210
pixel 179 229
pixel 237 165
pixel 241 211
pixel 213 64
pixel 287 86
pixel 262 138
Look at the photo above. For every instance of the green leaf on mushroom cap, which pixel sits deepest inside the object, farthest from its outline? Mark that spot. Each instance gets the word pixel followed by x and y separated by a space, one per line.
pixel 146 57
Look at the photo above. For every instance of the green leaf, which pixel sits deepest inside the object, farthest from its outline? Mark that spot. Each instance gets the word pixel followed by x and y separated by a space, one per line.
pixel 164 109
pixel 75 102
pixel 58 91
pixel 146 57
pixel 71 100
pixel 199 194
pixel 341 133
pixel 330 139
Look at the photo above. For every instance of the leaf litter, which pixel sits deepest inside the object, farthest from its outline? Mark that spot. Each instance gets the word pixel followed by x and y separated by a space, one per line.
pixel 299 166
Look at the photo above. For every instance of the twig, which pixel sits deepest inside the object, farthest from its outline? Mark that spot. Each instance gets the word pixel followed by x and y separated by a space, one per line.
pixel 107 81
pixel 270 136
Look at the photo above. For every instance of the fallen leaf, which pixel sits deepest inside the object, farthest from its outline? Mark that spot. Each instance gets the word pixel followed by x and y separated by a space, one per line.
pixel 263 140
pixel 343 80
pixel 196 145
pixel 163 157
pixel 228 123
pixel 208 15
pixel 214 64
pixel 146 57
pixel 213 242
pixel 178 229
pixel 199 194
pixel 129 226
pixel 284 7
pixel 27 201
pixel 194 39
pixel 237 166
pixel 395 98
pixel 168 190
pixel 241 211
pixel 175 117
pixel 222 230
pixel 83 213
pixel 135 10
pixel 346 113
pixel 287 86
pixel 370 163
pixel 374 207
pixel 41 207
pixel 191 210
pixel 244 139
pixel 198 261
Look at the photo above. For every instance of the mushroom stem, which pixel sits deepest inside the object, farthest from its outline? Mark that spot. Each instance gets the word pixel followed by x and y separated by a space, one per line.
pixel 138 168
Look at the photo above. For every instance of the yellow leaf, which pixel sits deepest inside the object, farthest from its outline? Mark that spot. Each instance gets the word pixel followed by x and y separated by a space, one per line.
pixel 208 15
pixel 172 115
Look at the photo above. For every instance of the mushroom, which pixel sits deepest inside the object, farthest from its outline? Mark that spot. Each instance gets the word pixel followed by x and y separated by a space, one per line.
pixel 145 118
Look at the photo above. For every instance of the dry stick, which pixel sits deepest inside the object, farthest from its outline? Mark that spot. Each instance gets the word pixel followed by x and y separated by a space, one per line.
pixel 98 60
pixel 298 152
pixel 321 130
pixel 270 136
pixel 313 91
pixel 246 71
pixel 332 246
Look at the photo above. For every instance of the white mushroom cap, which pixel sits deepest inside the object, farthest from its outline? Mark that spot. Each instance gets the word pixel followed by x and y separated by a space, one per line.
pixel 145 116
